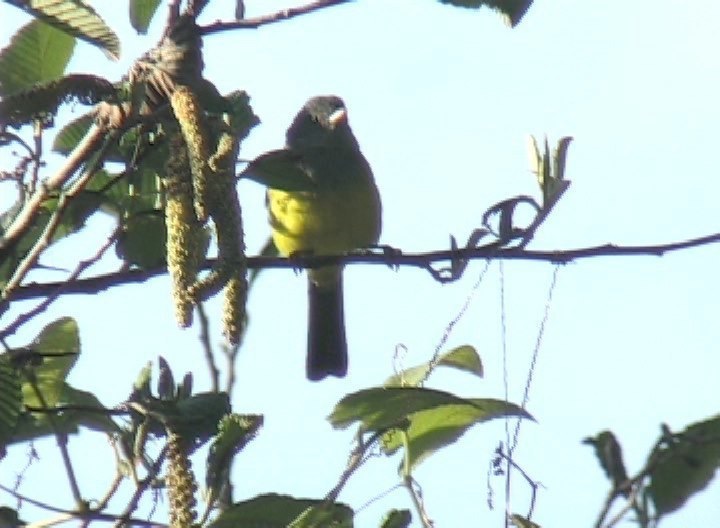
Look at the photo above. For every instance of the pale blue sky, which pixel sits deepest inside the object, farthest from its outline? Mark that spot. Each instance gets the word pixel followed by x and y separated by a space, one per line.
pixel 442 101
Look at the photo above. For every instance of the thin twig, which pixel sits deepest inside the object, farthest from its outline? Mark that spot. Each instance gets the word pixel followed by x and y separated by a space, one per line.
pixel 114 486
pixel 124 517
pixel 24 220
pixel 417 501
pixel 357 458
pixel 61 441
pixel 52 295
pixel 207 348
pixel 45 239
pixel 279 16
pixel 22 498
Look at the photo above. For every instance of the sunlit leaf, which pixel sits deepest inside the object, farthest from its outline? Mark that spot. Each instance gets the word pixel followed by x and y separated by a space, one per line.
pixel 75 18
pixel 141 14
pixel 37 53
pixel 463 358
pixel 71 134
pixel 57 348
pixel 235 431
pixel 432 429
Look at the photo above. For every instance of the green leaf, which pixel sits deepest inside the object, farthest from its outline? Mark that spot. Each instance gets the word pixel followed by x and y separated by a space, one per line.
pixel 141 14
pixel 97 421
pixel 10 400
pixel 324 516
pixel 38 53
pixel 75 18
pixel 235 431
pixel 280 169
pixel 166 380
pixel 512 10
pixel 71 134
pixel 42 100
pixel 199 416
pixel 685 465
pixel 281 511
pixel 397 519
pixel 521 522
pixel 9 518
pixel 463 358
pixel 142 240
pixel 382 408
pixel 57 348
pixel 432 429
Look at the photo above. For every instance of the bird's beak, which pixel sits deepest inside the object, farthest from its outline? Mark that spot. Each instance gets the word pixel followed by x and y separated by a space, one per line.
pixel 337 117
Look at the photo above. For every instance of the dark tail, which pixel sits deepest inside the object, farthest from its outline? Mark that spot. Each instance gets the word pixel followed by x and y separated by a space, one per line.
pixel 327 347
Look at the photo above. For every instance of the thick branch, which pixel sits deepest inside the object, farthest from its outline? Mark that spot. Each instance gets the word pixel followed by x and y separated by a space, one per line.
pixel 389 258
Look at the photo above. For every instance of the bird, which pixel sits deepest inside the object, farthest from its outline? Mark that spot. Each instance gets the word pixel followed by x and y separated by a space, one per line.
pixel 322 199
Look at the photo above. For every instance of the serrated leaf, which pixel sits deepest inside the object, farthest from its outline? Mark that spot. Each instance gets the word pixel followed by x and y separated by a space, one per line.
pixel 432 429
pixel 276 511
pixel 10 400
pixel 463 358
pixel 71 134
pixel 686 466
pixel 42 100
pixel 38 53
pixel 512 10
pixel 57 347
pixel 396 519
pixel 142 241
pixel 75 18
pixel 141 14
pixel 235 431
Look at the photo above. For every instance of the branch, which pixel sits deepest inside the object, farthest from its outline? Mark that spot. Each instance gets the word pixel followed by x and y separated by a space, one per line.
pixel 285 14
pixel 58 290
pixel 99 283
pixel 24 220
pixel 44 241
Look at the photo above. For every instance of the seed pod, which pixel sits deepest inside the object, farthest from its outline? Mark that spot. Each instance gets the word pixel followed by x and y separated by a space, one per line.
pixel 184 232
pixel 191 118
pixel 180 483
